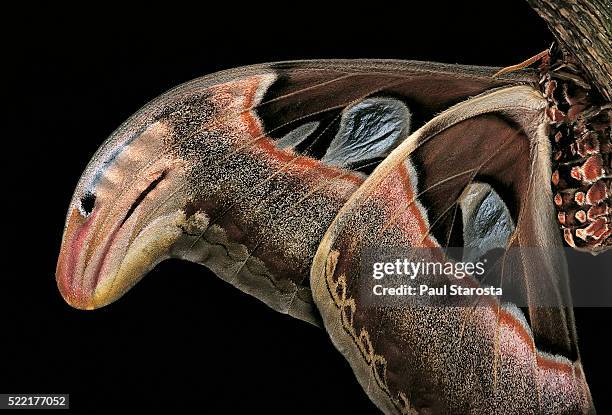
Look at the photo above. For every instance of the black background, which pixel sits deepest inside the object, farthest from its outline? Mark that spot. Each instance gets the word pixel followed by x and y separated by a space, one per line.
pixel 182 337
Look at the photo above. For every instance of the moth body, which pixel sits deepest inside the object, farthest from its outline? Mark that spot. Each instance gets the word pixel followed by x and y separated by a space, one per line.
pixel 580 128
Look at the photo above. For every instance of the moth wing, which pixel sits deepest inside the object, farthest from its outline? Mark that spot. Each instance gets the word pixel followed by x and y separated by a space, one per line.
pixel 435 354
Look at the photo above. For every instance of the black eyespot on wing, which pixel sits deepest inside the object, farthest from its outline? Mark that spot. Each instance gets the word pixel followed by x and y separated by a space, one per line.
pixel 87 203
